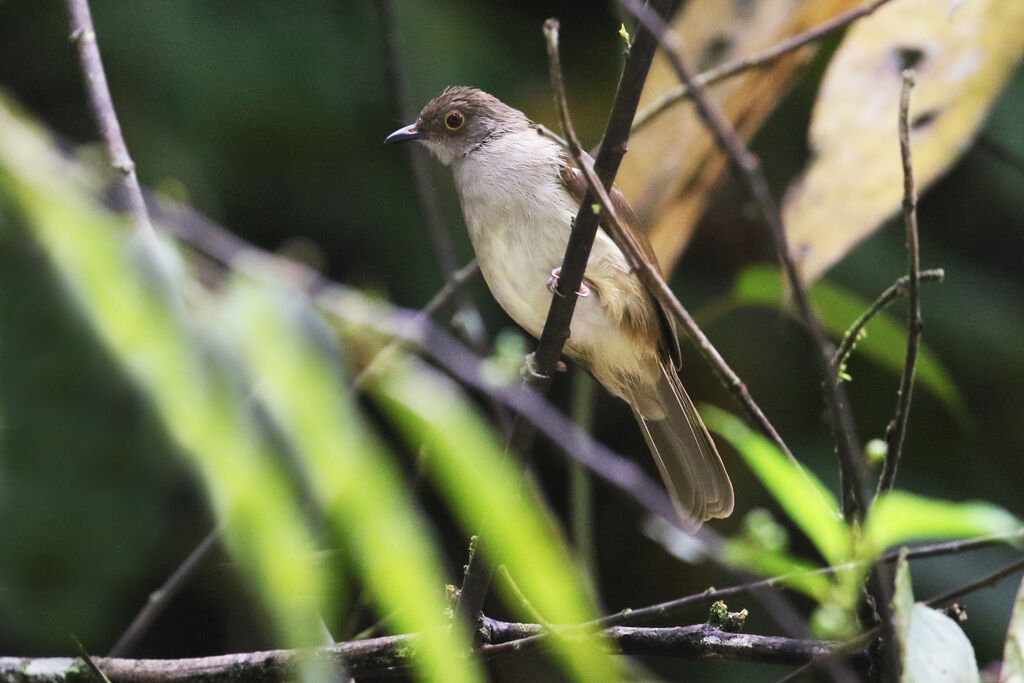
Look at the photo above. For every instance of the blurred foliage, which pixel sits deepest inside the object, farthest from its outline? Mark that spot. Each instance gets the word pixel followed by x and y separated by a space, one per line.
pixel 269 117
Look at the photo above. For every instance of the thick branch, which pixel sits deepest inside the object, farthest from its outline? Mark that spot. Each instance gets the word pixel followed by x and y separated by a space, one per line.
pixel 379 655
pixel 854 504
pixel 896 432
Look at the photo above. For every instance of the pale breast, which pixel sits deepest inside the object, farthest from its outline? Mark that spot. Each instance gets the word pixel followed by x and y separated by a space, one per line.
pixel 519 217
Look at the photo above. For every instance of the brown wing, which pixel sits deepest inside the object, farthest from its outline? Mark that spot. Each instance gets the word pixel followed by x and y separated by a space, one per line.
pixel 576 183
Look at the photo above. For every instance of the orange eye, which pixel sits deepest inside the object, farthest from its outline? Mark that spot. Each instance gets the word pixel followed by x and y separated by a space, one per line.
pixel 453 120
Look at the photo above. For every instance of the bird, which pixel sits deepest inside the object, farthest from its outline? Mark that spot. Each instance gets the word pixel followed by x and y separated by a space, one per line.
pixel 519 192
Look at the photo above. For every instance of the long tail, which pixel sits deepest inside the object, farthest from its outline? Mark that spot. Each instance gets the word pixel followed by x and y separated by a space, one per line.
pixel 686 456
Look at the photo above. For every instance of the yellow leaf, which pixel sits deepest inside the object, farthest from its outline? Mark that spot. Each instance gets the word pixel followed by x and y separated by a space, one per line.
pixel 672 164
pixel 962 55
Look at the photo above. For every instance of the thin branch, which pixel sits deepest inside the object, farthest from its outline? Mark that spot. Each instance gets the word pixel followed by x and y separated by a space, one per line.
pixel 896 431
pixel 1002 153
pixel 850 461
pixel 161 597
pixel 895 291
pixel 584 229
pixel 83 35
pixel 386 654
pixel 468 323
pixel 984 582
pixel 729 69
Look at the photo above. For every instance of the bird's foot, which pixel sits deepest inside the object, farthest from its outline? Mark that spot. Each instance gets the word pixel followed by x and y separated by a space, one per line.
pixel 530 368
pixel 553 284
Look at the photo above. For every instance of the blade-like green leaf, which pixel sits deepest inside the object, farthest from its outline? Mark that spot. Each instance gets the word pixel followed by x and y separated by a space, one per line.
pixel 804 498
pixel 351 476
pixel 899 517
pixel 178 369
pixel 885 342
pixel 483 486
pixel 1013 651
pixel 933 646
pixel 795 573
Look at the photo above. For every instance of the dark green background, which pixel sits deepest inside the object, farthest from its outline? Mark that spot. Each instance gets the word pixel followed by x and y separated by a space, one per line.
pixel 269 117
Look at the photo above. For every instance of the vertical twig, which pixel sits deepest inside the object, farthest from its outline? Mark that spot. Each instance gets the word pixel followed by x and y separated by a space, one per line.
pixel 581 512
pixel 577 252
pixel 83 35
pixel 896 431
pixel 850 461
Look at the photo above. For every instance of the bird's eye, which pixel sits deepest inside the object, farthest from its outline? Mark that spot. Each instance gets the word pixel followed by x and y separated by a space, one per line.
pixel 453 120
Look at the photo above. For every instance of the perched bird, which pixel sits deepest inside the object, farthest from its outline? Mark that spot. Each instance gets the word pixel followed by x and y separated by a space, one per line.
pixel 519 193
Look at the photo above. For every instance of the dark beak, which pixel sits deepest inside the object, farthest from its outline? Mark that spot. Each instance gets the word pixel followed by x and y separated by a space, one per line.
pixel 408 133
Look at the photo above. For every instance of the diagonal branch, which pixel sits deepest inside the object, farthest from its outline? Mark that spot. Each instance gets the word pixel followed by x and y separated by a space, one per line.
pixel 896 431
pixel 556 327
pixel 850 460
pixel 723 71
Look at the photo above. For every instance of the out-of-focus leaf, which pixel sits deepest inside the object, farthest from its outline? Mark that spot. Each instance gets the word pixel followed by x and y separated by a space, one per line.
pixel 182 372
pixel 804 498
pixel 898 517
pixel 1013 651
pixel 933 646
pixel 961 57
pixel 795 573
pixel 885 341
pixel 483 485
pixel 350 474
pixel 673 164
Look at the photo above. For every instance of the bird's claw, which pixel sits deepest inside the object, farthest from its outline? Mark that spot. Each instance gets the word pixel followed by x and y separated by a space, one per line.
pixel 553 284
pixel 530 368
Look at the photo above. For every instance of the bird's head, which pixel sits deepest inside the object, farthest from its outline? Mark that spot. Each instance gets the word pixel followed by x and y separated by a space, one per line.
pixel 459 121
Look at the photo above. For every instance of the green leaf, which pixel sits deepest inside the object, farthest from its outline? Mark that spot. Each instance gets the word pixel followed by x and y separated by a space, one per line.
pixel 885 342
pixel 1013 651
pixel 129 301
pixel 484 487
pixel 933 646
pixel 352 477
pixel 899 517
pixel 802 495
pixel 797 574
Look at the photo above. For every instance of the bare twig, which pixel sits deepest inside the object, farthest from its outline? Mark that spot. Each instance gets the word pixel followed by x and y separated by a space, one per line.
pixel 895 290
pixel 468 323
pixel 984 582
pixel 729 69
pixel 161 597
pixel 556 326
pixel 1002 153
pixel 83 35
pixel 896 431
pixel 850 461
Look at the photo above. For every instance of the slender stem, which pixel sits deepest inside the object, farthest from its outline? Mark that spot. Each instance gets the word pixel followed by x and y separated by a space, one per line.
pixel 584 229
pixel 83 35
pixel 895 291
pixel 581 511
pixel 468 323
pixel 984 582
pixel 723 71
pixel 896 432
pixel 162 596
pixel 850 460
pixel 1002 153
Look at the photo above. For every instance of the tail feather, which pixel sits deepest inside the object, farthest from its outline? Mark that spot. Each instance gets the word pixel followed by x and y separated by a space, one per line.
pixel 685 454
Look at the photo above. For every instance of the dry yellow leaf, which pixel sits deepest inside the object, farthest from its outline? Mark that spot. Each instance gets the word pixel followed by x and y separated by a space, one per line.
pixel 672 164
pixel 962 54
